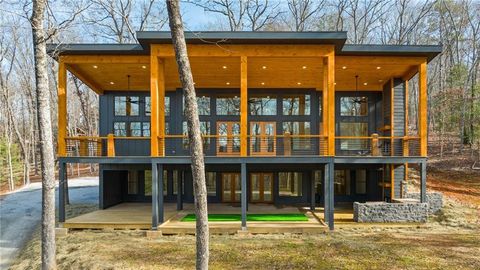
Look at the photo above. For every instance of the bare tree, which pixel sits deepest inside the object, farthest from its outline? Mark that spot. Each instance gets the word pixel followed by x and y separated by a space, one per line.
pixel 234 11
pixel 45 130
pixel 302 11
pixel 194 133
pixel 261 13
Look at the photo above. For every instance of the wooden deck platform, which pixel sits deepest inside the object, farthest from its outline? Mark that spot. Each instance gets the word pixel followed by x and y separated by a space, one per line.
pixel 138 216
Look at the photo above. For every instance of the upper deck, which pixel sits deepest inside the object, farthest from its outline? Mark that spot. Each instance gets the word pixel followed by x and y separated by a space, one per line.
pixel 330 99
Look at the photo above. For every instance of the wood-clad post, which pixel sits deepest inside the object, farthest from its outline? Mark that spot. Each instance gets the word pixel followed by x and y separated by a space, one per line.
pixel 325 110
pixel 62 109
pixel 157 114
pixel 243 106
pixel 422 108
pixel 110 145
pixel 330 58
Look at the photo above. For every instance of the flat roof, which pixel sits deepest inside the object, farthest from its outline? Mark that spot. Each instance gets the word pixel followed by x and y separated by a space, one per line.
pixel 145 38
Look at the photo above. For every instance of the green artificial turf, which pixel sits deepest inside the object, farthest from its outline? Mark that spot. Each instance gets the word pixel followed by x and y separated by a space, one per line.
pixel 250 217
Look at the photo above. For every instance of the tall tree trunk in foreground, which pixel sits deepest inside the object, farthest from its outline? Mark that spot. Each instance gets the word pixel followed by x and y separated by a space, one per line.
pixel 45 132
pixel 194 135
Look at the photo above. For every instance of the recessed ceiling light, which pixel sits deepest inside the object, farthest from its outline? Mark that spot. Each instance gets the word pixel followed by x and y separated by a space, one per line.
pixel 112 83
pixel 379 67
pixel 224 67
pixel 334 83
pixel 365 83
pixel 144 67
pixel 304 67
pixel 262 83
pixel 228 83
pixel 299 83
pixel 194 83
pixel 264 67
pixel 344 67
pixel 95 66
pixel 380 80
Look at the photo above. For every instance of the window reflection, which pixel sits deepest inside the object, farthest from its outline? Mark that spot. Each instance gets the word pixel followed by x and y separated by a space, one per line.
pixel 229 105
pixel 126 106
pixel 263 105
pixel 148 106
pixel 290 184
pixel 354 130
pixel 296 105
pixel 298 128
pixel 204 130
pixel 353 106
pixel 203 105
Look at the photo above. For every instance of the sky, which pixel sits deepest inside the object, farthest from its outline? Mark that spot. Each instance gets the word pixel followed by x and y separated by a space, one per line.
pixel 194 17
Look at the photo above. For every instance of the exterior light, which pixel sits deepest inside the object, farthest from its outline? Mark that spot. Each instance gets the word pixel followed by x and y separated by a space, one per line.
pixel 112 83
pixel 228 83
pixel 95 66
pixel 380 80
pixel 224 67
pixel 262 83
pixel 365 83
pixel 264 67
pixel 299 83
pixel 379 67
pixel 144 67
pixel 334 83
pixel 344 67
pixel 304 67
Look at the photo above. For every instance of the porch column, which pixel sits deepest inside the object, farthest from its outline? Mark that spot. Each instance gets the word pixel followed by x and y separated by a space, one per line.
pixel 243 107
pixel 331 191
pixel 422 108
pixel 329 110
pixel 62 109
pixel 179 191
pixel 160 194
pixel 326 192
pixel 154 196
pixel 157 106
pixel 243 175
pixel 61 191
pixel 423 181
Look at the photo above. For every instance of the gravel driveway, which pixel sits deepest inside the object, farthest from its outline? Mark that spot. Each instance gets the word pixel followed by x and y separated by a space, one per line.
pixel 20 213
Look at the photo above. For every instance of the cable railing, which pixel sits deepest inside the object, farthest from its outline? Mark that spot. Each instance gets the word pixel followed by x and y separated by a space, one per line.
pixel 256 145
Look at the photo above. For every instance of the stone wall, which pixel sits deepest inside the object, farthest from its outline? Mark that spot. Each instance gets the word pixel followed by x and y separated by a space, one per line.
pixel 434 200
pixel 390 212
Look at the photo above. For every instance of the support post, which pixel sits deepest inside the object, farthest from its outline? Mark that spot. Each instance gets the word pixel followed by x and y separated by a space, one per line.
pixel 422 108
pixel 326 192
pixel 154 196
pixel 331 201
pixel 62 109
pixel 331 102
pixel 110 145
pixel 312 192
pixel 61 192
pixel 243 175
pixel 157 99
pixel 423 182
pixel 179 191
pixel 243 106
pixel 160 194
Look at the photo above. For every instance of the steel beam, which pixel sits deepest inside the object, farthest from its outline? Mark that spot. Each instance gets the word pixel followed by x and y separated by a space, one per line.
pixel 312 192
pixel 160 194
pixel 179 191
pixel 331 200
pixel 244 202
pixel 154 196
pixel 326 192
pixel 61 192
pixel 423 182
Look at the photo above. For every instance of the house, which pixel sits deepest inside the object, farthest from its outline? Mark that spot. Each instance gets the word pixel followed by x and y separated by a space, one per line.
pixel 288 118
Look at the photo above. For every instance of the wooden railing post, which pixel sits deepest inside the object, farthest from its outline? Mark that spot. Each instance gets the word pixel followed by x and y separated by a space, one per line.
pixel 110 145
pixel 406 145
pixel 375 150
pixel 99 147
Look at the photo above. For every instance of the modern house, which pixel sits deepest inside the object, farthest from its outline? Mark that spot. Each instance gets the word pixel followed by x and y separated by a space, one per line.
pixel 288 118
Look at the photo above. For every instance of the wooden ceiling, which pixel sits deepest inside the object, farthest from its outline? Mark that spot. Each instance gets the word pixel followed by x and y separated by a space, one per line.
pixel 263 72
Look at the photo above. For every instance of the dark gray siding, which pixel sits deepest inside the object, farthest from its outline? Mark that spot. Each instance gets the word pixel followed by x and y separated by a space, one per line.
pixel 398 114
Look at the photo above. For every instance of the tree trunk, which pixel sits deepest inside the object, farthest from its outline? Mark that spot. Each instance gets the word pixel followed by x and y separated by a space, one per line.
pixel 194 135
pixel 45 132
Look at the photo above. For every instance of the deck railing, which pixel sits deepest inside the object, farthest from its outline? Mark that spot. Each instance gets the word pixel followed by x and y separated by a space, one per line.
pixel 257 145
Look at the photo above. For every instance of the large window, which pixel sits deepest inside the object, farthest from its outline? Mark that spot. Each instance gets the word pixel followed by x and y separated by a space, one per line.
pixel 228 105
pixel 132 187
pixel 211 181
pixel 342 182
pixel 290 184
pixel 131 129
pixel 318 181
pixel 296 105
pixel 204 129
pixel 354 130
pixel 148 183
pixel 353 106
pixel 148 106
pixel 203 104
pixel 228 141
pixel 263 105
pixel 298 128
pixel 361 181
pixel 126 106
pixel 120 129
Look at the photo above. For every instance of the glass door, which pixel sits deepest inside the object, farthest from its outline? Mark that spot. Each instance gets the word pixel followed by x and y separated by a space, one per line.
pixel 228 142
pixel 262 138
pixel 261 187
pixel 231 187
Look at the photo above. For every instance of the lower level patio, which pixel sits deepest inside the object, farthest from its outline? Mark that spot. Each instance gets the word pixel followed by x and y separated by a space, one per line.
pixel 139 216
